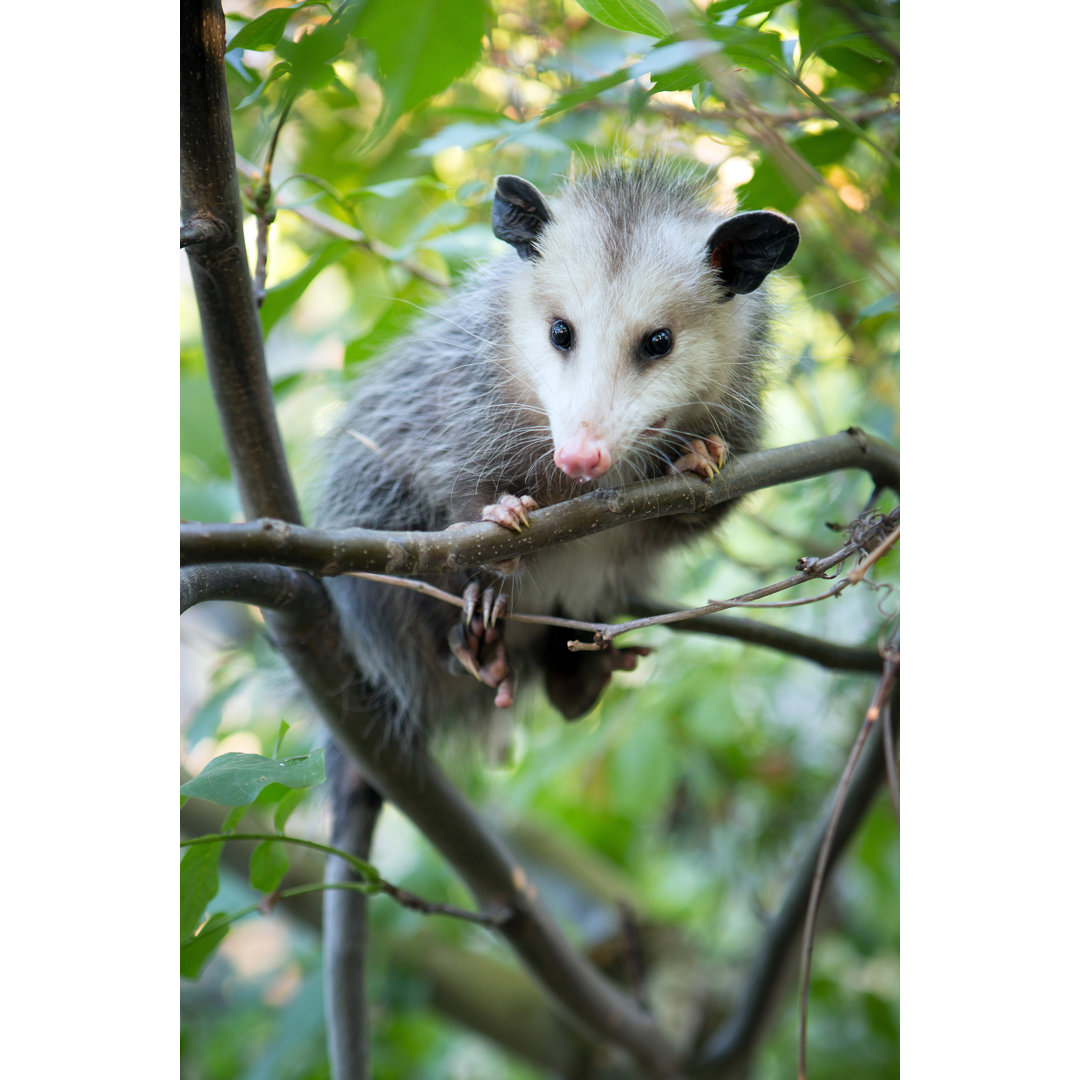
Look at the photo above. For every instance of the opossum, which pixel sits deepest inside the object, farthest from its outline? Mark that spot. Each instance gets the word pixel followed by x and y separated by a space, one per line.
pixel 624 337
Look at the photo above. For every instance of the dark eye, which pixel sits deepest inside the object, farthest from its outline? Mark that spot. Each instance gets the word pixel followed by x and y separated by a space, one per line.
pixel 562 336
pixel 658 343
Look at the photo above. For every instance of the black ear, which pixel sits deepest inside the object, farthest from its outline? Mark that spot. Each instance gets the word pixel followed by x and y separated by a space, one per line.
pixel 519 213
pixel 749 246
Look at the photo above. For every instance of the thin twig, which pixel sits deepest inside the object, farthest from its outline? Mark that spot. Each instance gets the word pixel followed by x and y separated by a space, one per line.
pixel 373 882
pixel 339 229
pixel 859 572
pixel 262 206
pixel 891 770
pixel 605 633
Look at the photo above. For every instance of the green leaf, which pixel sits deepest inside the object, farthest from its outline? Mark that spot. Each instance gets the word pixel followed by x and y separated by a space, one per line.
pixel 587 91
pixel 821 26
pixel 281 297
pixel 879 307
pixel 826 148
pixel 275 73
pixel 632 16
pixel 235 779
pixel 262 33
pixel 286 805
pixel 422 46
pixel 465 135
pixel 759 50
pixel 684 77
pixel 232 819
pixel 862 71
pixel 754 7
pixel 207 718
pixel 283 727
pixel 769 188
pixel 310 58
pixel 195 953
pixel 198 884
pixel 269 864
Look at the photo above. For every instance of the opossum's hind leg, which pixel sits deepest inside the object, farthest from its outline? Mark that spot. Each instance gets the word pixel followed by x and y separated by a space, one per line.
pixel 575 680
pixel 478 644
pixel 705 456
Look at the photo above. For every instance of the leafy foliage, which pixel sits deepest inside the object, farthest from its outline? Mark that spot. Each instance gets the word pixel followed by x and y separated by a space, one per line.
pixel 694 786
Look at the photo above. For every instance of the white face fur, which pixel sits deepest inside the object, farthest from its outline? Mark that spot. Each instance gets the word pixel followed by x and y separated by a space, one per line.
pixel 614 283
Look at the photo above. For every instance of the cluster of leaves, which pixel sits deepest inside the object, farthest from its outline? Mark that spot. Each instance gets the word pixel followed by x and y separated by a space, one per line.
pixel 241 782
pixel 695 784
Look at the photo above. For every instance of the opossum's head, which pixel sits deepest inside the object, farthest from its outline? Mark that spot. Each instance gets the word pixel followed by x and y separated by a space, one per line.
pixel 631 319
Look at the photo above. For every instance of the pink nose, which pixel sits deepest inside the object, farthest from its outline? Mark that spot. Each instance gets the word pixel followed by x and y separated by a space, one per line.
pixel 585 458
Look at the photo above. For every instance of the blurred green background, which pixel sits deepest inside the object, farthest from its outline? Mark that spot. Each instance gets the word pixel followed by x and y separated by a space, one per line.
pixel 693 789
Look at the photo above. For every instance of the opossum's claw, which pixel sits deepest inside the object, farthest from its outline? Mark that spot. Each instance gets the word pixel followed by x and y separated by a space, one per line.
pixel 458 642
pixel 510 511
pixel 704 456
pixel 478 645
pixel 470 595
pixel 493 612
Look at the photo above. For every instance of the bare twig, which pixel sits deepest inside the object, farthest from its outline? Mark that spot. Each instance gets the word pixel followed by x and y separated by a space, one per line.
pixel 339 229
pixel 891 769
pixel 605 633
pixel 369 880
pixel 261 195
pixel 859 572
pixel 827 654
pixel 814 568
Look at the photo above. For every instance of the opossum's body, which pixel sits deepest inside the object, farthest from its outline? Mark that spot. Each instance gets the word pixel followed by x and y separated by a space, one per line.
pixel 628 326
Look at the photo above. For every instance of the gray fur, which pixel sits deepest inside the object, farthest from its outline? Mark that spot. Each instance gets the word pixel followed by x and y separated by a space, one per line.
pixel 458 414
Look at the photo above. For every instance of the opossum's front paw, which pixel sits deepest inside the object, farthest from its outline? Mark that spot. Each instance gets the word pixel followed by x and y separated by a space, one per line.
pixel 511 512
pixel 478 644
pixel 704 456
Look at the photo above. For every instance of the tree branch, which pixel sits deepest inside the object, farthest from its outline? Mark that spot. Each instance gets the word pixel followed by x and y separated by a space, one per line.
pixel 337 551
pixel 261 584
pixel 232 337
pixel 826 653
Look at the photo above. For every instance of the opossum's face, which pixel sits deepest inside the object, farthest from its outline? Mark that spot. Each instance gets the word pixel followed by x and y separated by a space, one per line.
pixel 621 348
pixel 631 320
